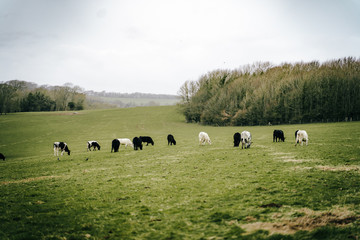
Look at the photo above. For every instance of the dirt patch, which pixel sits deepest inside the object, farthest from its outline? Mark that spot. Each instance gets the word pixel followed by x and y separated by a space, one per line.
pixel 26 180
pixel 280 153
pixel 302 168
pixel 64 113
pixel 295 160
pixel 292 159
pixel 288 157
pixel 308 221
pixel 339 168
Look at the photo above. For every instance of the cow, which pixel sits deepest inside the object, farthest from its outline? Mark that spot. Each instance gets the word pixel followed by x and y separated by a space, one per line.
pixel 2 156
pixel 204 138
pixel 61 146
pixel 237 139
pixel 171 139
pixel 245 139
pixel 93 144
pixel 301 136
pixel 278 134
pixel 147 140
pixel 296 133
pixel 126 142
pixel 137 143
pixel 115 145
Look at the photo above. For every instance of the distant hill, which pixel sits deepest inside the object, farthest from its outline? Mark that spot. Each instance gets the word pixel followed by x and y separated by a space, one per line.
pixel 124 100
pixel 23 96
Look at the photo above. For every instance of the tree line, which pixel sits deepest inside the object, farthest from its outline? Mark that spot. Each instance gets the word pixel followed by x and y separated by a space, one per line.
pixel 262 93
pixel 22 96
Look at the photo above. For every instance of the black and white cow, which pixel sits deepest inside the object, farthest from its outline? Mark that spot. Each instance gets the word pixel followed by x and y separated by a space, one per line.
pixel 171 139
pixel 245 139
pixel 301 137
pixel 237 139
pixel 278 134
pixel 62 146
pixel 137 143
pixel 147 140
pixel 115 145
pixel 93 144
pixel 2 156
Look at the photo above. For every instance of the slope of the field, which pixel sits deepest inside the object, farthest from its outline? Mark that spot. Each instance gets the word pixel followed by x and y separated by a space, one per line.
pixel 187 191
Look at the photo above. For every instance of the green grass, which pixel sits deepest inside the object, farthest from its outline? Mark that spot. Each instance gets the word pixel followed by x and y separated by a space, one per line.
pixel 185 191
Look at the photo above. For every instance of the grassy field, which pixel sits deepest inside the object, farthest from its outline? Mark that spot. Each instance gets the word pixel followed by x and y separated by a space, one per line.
pixel 187 191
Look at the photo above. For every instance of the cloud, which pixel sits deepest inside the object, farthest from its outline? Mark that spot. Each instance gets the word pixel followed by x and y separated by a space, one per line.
pixel 155 46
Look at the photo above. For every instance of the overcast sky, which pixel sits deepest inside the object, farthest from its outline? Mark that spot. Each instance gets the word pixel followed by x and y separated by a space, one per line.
pixel 154 46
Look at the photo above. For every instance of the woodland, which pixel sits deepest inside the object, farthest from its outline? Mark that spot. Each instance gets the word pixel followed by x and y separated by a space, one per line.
pixel 261 94
pixel 22 96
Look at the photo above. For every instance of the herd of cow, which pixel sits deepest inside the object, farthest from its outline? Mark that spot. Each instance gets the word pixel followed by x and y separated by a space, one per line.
pixel 137 143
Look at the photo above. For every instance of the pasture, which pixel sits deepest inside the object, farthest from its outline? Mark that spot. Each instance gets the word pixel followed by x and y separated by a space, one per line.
pixel 187 191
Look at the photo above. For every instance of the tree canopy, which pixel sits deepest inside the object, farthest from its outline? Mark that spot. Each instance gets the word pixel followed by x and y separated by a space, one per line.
pixel 261 93
pixel 22 96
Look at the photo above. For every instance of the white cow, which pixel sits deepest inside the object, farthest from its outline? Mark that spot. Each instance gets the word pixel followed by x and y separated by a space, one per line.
pixel 204 138
pixel 126 142
pixel 301 136
pixel 245 139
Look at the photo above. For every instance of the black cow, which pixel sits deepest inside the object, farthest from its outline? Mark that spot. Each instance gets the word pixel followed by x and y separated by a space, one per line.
pixel 137 143
pixel 60 146
pixel 2 156
pixel 115 145
pixel 171 139
pixel 93 144
pixel 237 139
pixel 278 134
pixel 147 140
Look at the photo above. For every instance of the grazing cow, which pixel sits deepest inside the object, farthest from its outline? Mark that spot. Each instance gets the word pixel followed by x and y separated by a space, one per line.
pixel 204 138
pixel 171 139
pixel 278 134
pixel 137 143
pixel 115 145
pixel 2 156
pixel 245 139
pixel 60 146
pixel 93 144
pixel 147 140
pixel 126 142
pixel 301 136
pixel 237 139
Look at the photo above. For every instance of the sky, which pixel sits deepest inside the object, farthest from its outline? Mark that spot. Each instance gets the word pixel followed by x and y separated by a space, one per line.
pixel 154 46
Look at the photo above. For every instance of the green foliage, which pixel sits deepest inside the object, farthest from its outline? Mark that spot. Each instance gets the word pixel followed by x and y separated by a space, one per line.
pixel 22 96
pixel 71 105
pixel 37 102
pixel 185 191
pixel 289 93
pixel 7 94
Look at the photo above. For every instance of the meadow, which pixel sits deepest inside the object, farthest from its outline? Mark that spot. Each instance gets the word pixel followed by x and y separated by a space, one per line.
pixel 187 191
